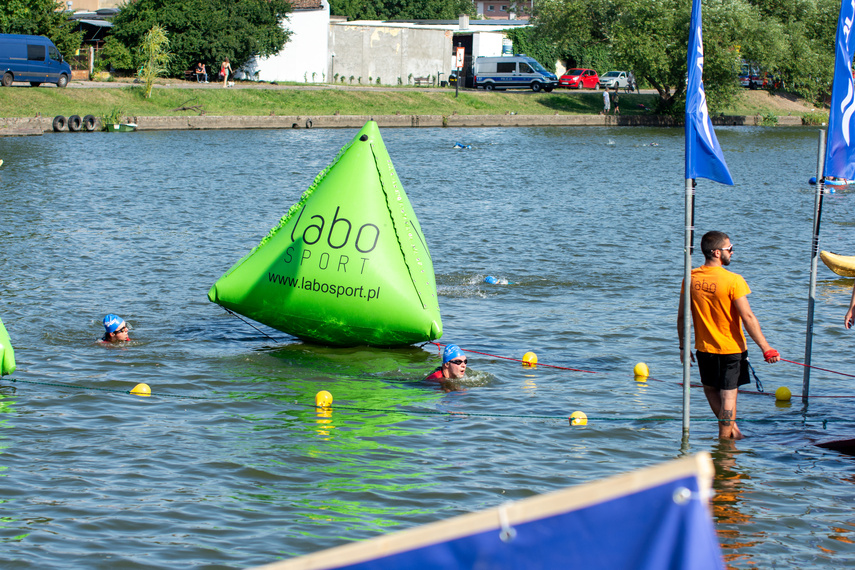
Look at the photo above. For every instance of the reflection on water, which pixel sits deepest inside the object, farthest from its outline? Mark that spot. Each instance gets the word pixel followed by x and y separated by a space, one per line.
pixel 729 487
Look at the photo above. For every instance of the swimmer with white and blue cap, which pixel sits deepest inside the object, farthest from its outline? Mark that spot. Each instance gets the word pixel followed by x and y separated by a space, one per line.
pixel 453 364
pixel 115 329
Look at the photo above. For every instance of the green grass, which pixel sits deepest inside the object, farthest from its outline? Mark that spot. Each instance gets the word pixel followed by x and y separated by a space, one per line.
pixel 264 99
pixel 21 101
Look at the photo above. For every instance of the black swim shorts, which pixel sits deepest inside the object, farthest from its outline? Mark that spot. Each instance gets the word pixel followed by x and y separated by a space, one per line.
pixel 723 371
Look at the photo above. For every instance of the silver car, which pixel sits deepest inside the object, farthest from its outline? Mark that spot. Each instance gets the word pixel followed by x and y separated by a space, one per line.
pixel 614 79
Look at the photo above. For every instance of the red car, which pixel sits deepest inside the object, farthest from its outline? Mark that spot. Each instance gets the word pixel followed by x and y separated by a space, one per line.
pixel 579 78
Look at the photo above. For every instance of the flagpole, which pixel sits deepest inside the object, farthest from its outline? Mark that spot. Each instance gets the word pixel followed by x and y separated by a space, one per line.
pixel 814 257
pixel 687 303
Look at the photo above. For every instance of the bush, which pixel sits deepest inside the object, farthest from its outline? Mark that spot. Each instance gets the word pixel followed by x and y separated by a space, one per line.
pixel 816 119
pixel 114 55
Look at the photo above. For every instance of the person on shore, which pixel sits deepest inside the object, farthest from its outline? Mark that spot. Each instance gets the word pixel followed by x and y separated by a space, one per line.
pixel 115 330
pixel 617 103
pixel 201 73
pixel 720 309
pixel 606 102
pixel 453 365
pixel 225 70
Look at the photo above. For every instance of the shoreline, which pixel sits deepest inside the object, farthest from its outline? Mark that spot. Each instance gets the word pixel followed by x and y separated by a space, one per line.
pixel 39 125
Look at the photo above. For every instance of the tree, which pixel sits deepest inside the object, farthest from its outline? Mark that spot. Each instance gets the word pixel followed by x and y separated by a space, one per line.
pixel 206 30
pixel 154 52
pixel 401 9
pixel 790 39
pixel 41 18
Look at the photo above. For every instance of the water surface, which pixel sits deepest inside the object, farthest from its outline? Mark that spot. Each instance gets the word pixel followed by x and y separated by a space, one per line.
pixel 228 466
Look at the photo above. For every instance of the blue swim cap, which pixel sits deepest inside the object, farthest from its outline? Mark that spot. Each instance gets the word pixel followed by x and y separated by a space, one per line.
pixel 451 352
pixel 112 323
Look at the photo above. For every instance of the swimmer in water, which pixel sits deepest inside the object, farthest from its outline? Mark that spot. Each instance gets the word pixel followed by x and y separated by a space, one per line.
pixel 116 330
pixel 453 364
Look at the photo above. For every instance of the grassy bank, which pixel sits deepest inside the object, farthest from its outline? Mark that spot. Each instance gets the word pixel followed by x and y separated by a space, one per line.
pixel 27 102
pixel 177 99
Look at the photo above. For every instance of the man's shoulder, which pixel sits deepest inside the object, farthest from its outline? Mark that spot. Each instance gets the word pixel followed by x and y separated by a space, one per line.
pixel 716 270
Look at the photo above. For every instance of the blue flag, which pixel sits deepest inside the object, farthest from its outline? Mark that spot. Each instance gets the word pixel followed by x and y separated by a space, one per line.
pixel 703 154
pixel 839 151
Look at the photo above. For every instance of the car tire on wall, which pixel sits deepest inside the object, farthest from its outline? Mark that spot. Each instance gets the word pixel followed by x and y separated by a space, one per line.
pixel 89 123
pixel 58 123
pixel 74 123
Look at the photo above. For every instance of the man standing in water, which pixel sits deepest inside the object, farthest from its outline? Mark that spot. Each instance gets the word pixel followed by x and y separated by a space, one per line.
pixel 453 364
pixel 719 311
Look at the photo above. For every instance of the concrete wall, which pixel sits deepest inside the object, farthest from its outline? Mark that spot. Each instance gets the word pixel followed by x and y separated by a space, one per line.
pixel 388 52
pixel 306 52
pixel 37 126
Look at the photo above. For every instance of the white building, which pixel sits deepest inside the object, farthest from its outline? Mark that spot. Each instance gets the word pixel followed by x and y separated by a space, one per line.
pixel 305 57
pixel 332 50
pixel 401 52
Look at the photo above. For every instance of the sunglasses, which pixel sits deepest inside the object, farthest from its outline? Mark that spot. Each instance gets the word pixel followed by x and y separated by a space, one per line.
pixel 458 362
pixel 728 249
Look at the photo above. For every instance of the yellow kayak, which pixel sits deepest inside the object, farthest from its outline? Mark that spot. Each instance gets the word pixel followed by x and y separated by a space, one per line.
pixel 841 264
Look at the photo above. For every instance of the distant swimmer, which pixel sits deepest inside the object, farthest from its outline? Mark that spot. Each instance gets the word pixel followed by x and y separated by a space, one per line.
pixel 453 364
pixel 116 330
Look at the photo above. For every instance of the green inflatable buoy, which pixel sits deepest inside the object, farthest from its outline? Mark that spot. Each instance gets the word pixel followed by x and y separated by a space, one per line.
pixel 7 353
pixel 347 264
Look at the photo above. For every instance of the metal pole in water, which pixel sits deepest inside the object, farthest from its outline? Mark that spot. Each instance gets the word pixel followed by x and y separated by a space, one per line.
pixel 687 304
pixel 814 257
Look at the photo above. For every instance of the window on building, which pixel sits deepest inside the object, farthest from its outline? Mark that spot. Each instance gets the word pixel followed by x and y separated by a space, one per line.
pixel 491 8
pixel 505 8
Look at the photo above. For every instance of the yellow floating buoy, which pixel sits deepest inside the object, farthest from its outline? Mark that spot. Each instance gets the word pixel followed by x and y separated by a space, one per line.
pixel 323 399
pixel 641 370
pixel 529 359
pixel 141 390
pixel 783 394
pixel 578 419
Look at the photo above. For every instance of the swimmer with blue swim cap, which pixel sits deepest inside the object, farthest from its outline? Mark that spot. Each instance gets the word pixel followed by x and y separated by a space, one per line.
pixel 453 364
pixel 116 330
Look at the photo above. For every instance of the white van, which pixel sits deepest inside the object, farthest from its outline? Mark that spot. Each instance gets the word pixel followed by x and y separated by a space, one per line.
pixel 513 72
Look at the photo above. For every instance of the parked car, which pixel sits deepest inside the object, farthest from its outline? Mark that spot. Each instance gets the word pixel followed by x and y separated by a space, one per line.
pixel 578 78
pixel 753 79
pixel 31 58
pixel 614 79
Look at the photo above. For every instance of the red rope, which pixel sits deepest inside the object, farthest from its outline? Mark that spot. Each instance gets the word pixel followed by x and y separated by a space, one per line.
pixel 439 347
pixel 818 368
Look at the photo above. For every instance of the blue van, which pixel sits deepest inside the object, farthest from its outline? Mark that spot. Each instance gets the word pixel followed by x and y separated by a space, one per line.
pixel 31 58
